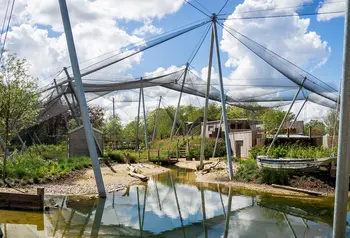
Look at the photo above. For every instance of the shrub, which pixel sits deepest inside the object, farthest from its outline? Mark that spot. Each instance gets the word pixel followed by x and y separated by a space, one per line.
pixel 116 156
pixel 291 151
pixel 32 167
pixel 119 156
pixel 247 171
pixel 274 176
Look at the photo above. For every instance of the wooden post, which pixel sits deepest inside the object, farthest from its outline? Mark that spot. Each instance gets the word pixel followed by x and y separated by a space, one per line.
pixel 288 132
pixel 138 154
pixel 148 154
pixel 167 155
pixel 40 193
pixel 177 150
pixel 310 132
pixel 158 156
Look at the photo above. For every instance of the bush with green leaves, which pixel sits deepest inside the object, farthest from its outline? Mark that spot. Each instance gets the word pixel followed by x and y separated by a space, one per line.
pixel 291 151
pixel 50 151
pixel 274 176
pixel 247 171
pixel 31 166
pixel 119 156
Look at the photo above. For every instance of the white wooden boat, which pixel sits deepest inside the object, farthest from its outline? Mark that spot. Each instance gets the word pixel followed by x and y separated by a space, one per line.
pixel 307 164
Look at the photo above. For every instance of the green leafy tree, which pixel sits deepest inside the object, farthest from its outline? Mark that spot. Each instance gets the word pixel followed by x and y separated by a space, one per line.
pixel 272 118
pixel 331 122
pixel 111 128
pixel 19 100
pixel 129 131
pixel 317 127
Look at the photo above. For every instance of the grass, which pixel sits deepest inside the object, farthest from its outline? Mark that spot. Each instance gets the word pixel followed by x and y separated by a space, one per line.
pixel 119 156
pixel 291 151
pixel 195 144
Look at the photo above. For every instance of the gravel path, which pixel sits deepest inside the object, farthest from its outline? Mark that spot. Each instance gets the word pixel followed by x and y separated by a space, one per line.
pixel 83 182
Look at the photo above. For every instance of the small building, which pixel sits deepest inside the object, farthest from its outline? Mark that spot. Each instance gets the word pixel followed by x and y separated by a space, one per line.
pixel 243 134
pixel 77 144
pixel 297 128
pixel 329 141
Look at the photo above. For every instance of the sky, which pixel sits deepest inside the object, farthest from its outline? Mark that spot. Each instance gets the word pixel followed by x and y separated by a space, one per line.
pixel 312 42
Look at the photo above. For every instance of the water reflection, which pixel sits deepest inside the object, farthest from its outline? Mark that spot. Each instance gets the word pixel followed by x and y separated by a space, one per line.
pixel 173 205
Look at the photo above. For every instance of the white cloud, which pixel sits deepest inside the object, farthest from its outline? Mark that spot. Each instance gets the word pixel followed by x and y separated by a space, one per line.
pixel 330 6
pixel 147 28
pixel 289 37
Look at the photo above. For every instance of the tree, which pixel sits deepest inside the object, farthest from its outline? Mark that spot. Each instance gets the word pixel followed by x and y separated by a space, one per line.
pixel 96 114
pixel 317 127
pixel 331 122
pixel 272 118
pixel 129 131
pixel 19 100
pixel 111 128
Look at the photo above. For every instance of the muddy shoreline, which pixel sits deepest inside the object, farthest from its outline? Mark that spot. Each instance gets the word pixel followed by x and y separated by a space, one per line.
pixel 82 182
pixel 222 177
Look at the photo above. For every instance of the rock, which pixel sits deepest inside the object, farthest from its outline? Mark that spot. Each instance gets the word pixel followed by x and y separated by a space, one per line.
pixel 47 208
pixel 56 206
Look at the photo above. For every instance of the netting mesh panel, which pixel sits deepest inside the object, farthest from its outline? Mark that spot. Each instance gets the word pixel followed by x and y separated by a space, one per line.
pixel 288 69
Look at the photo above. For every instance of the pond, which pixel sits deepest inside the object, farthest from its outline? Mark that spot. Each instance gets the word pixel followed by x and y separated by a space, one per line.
pixel 174 205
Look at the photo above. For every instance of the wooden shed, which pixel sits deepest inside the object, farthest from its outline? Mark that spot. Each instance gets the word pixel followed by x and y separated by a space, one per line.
pixel 77 145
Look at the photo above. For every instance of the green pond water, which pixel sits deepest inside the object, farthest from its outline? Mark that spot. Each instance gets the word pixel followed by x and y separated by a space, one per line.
pixel 173 205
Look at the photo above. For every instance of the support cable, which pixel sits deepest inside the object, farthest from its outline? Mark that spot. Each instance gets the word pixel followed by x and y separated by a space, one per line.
pixel 280 16
pixel 222 7
pixel 200 4
pixel 7 29
pixel 196 8
pixel 280 58
pixel 288 7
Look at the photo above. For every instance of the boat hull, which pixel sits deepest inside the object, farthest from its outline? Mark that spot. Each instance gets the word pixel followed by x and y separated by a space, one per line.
pixel 293 163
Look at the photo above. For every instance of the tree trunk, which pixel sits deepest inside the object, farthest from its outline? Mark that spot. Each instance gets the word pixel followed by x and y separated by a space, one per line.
pixel 6 146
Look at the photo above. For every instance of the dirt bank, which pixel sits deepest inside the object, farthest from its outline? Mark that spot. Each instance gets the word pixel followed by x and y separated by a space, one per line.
pixel 222 177
pixel 83 182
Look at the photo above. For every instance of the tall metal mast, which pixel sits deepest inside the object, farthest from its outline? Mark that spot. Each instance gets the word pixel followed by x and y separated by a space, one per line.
pixel 82 100
pixel 342 180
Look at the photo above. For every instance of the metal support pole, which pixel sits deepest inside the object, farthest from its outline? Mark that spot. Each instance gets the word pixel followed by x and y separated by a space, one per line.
pixel 154 136
pixel 205 225
pixel 342 180
pixel 177 204
pixel 65 96
pixel 286 116
pixel 96 225
pixel 205 117
pixel 36 137
pixel 74 95
pixel 114 133
pixel 138 121
pixel 227 220
pixel 223 101
pixel 296 117
pixel 82 100
pixel 217 137
pixel 178 103
pixel 21 140
pixel 144 118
